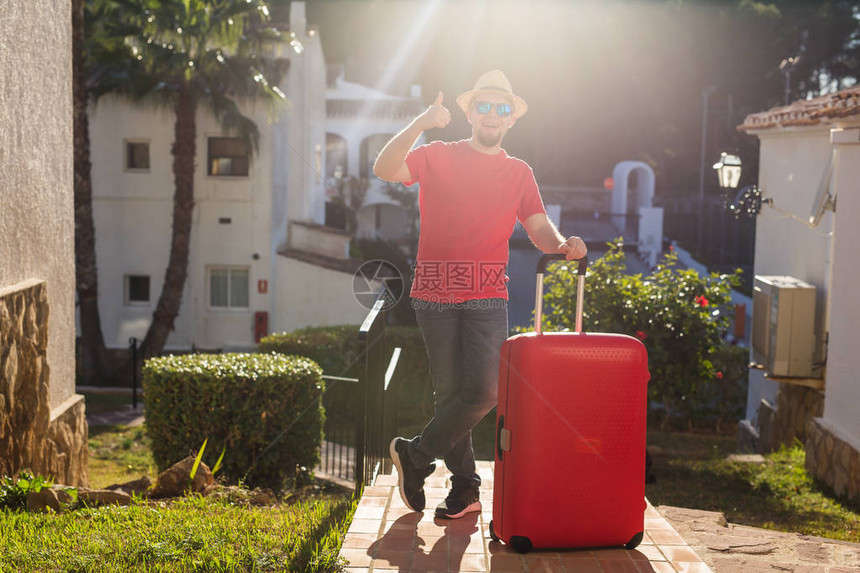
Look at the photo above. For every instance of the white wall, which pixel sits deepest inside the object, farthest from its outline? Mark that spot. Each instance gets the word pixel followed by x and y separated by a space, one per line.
pixel 133 212
pixel 37 226
pixel 309 295
pixel 790 168
pixel 842 396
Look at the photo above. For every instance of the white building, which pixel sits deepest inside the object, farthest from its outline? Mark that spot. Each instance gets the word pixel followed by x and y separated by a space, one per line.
pixel 359 122
pixel 799 143
pixel 262 259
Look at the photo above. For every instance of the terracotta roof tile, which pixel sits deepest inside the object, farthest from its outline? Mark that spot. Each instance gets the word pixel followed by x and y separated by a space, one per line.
pixel 840 104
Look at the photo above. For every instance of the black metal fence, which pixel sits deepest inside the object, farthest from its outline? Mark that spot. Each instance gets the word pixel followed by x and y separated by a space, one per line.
pixel 715 236
pixel 355 448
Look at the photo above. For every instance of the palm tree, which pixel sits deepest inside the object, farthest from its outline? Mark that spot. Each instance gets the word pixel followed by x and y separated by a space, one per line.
pixel 185 55
pixel 97 369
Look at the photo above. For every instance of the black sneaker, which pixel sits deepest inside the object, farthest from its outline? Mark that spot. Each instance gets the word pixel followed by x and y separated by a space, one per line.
pixel 463 498
pixel 411 479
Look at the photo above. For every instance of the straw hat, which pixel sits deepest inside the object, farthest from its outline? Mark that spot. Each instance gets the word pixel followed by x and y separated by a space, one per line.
pixel 493 82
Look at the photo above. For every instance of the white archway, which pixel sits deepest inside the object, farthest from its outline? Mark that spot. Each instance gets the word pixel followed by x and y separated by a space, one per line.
pixel 644 189
pixel 649 225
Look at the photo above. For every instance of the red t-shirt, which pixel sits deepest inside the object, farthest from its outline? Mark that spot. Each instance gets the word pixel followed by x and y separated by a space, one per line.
pixel 469 202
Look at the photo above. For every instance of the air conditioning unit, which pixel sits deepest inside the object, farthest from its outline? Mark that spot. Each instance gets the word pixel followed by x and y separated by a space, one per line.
pixel 783 329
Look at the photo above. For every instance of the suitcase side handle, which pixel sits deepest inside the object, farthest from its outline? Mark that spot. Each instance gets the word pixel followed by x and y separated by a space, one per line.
pixel 580 287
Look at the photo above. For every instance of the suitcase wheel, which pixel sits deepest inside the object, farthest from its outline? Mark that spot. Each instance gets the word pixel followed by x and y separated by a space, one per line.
pixel 634 541
pixel 521 544
pixel 493 535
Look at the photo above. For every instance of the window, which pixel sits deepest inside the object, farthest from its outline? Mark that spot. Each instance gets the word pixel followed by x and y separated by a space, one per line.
pixel 228 288
pixel 136 290
pixel 370 148
pixel 228 157
pixel 335 156
pixel 136 155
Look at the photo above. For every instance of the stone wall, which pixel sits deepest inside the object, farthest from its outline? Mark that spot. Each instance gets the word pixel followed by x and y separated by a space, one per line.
pixel 795 407
pixel 31 435
pixel 832 459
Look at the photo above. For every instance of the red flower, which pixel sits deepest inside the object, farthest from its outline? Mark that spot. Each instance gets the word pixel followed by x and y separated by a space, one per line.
pixel 701 300
pixel 719 375
pixel 641 335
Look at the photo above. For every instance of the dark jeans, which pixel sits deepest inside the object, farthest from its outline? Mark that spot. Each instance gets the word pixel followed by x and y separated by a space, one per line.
pixel 463 341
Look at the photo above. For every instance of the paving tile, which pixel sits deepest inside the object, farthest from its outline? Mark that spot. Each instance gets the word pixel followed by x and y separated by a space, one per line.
pixel 680 553
pixel 579 565
pixel 468 562
pixel 658 567
pixel 612 554
pixel 544 563
pixel 393 560
pixel 427 543
pixel 373 502
pixel 695 567
pixel 666 538
pixel 398 512
pixel 356 569
pixel 507 562
pixel 376 491
pixel 386 480
pixel 618 566
pixel 395 543
pixel 358 540
pixel 435 560
pixel 356 557
pixel 365 526
pixel 499 548
pixel 657 524
pixel 647 553
pixel 474 544
pixel 369 512
pixel 577 554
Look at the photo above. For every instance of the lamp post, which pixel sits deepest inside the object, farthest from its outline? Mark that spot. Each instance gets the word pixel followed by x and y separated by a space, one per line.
pixel 705 95
pixel 748 199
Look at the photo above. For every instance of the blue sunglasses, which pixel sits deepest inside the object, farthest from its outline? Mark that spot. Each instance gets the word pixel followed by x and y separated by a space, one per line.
pixel 502 109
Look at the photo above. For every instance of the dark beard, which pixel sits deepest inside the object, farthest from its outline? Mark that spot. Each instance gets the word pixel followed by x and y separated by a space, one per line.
pixel 488 140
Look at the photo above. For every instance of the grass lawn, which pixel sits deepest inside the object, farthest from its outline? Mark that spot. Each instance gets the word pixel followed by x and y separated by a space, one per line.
pixel 302 531
pixel 692 471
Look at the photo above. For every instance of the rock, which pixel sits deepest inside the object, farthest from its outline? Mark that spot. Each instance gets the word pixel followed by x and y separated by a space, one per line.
pixel 746 458
pixel 261 497
pixel 709 518
pixel 176 480
pixel 93 497
pixel 53 498
pixel 738 545
pixel 139 486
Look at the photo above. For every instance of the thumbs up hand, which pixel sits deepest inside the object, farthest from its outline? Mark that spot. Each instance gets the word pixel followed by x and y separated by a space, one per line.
pixel 435 116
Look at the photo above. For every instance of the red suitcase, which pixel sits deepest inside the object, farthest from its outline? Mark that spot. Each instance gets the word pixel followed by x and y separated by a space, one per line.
pixel 570 442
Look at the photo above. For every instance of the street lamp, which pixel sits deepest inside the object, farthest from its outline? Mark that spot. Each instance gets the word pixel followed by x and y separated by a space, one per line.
pixel 748 199
pixel 728 170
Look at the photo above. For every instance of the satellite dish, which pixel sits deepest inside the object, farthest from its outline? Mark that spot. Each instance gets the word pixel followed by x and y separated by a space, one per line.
pixel 825 199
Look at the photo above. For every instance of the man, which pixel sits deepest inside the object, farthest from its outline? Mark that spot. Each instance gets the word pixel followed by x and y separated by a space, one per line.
pixel 471 195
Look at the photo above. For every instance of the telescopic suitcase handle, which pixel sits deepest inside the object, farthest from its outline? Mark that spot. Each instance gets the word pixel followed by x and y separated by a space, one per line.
pixel 580 287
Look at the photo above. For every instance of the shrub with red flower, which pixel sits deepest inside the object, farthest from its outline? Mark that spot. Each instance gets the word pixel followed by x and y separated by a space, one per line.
pixel 684 344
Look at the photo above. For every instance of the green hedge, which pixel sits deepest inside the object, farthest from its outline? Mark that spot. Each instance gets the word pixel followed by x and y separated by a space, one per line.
pixel 338 351
pixel 241 402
